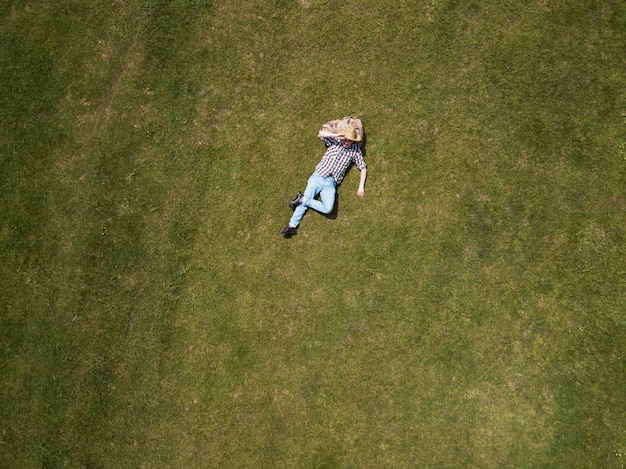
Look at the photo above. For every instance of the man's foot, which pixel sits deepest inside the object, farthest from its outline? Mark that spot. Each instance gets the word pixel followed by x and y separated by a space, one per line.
pixel 288 231
pixel 297 200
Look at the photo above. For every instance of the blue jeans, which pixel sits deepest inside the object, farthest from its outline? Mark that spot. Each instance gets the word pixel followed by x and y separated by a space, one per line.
pixel 326 187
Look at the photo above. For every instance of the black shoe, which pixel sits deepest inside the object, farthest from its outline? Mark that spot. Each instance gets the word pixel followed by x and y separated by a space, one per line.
pixel 289 231
pixel 297 200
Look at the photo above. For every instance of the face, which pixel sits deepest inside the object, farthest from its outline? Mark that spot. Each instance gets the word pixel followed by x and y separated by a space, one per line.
pixel 346 143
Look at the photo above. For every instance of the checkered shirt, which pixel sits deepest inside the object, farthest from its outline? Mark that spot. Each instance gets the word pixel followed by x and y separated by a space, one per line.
pixel 337 159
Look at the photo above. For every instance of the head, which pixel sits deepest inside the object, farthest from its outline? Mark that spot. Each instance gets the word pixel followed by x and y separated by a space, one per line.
pixel 349 136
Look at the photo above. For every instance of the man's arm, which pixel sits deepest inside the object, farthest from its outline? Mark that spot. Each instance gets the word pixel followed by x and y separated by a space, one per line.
pixel 361 191
pixel 327 133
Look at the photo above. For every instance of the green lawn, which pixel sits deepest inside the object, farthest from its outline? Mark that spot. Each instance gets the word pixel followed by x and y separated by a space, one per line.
pixel 470 311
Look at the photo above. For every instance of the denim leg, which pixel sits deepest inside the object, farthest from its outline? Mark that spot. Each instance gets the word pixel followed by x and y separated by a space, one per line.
pixel 317 184
pixel 313 187
pixel 327 196
pixel 298 213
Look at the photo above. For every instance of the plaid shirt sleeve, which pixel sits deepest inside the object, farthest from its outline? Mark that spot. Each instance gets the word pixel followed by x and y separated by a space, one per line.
pixel 328 141
pixel 358 159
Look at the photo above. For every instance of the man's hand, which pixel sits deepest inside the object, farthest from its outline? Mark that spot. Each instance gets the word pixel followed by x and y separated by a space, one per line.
pixel 361 191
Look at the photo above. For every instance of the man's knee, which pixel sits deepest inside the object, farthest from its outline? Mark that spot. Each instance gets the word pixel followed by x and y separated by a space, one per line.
pixel 327 207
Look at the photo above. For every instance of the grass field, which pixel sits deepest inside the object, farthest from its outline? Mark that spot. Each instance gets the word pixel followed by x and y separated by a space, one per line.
pixel 468 312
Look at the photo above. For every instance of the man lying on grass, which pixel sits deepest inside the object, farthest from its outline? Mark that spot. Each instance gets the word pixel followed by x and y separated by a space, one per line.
pixel 342 149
